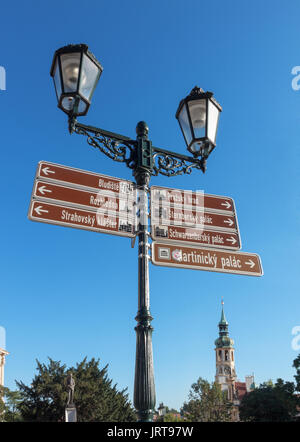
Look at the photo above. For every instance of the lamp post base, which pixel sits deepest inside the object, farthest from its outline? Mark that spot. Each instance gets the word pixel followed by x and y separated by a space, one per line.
pixel 145 415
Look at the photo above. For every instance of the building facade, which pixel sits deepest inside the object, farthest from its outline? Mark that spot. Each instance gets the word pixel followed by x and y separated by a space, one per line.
pixel 3 353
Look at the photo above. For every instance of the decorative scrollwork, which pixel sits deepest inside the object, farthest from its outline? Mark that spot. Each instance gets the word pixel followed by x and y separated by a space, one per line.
pixel 124 150
pixel 171 166
pixel 118 150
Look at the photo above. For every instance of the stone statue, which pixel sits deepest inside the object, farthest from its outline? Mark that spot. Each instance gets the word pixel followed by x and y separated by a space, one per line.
pixel 71 387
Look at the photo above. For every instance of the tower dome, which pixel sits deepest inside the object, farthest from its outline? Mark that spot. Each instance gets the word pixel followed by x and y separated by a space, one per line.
pixel 223 340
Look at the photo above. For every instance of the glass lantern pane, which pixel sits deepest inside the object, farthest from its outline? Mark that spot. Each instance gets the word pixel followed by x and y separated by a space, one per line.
pixel 57 80
pixel 82 107
pixel 90 74
pixel 213 117
pixel 68 105
pixel 185 124
pixel 198 116
pixel 70 64
pixel 196 147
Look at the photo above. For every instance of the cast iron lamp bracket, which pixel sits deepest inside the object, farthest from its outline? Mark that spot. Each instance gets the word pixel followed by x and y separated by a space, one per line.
pixel 138 152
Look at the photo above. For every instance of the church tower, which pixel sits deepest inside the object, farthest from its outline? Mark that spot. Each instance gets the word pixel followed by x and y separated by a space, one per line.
pixel 225 364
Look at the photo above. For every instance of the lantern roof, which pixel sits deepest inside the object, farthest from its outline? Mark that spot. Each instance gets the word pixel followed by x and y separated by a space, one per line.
pixel 70 48
pixel 196 94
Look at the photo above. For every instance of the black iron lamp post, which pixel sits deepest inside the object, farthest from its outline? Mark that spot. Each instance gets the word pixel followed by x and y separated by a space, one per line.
pixel 75 72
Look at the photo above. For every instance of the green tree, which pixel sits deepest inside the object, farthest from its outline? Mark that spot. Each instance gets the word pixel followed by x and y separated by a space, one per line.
pixel 9 402
pixel 172 417
pixel 96 399
pixel 270 403
pixel 296 364
pixel 207 403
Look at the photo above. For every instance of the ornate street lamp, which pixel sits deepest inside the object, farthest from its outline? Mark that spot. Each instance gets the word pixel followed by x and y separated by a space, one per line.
pixel 198 116
pixel 76 73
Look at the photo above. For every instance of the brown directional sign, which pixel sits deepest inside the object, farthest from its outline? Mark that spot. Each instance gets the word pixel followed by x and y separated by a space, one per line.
pixel 85 200
pixel 213 260
pixel 168 196
pixel 197 236
pixel 78 177
pixel 45 190
pixel 188 217
pixel 194 217
pixel 81 219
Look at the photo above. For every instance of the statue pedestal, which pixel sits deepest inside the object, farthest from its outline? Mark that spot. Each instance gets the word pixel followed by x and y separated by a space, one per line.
pixel 70 413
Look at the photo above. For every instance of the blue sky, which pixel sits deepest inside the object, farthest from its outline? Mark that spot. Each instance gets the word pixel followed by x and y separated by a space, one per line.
pixel 68 293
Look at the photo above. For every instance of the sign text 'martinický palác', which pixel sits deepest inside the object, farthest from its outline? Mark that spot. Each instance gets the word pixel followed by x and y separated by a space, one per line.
pixel 182 256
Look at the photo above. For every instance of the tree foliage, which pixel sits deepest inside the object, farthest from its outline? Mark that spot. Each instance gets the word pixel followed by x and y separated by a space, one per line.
pixel 170 415
pixel 207 403
pixel 9 402
pixel 96 399
pixel 173 417
pixel 296 364
pixel 270 403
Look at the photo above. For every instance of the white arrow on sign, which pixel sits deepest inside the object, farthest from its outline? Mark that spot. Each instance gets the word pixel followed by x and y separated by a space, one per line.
pixel 250 263
pixel 226 204
pixel 43 189
pixel 232 240
pixel 40 209
pixel 47 170
pixel 228 221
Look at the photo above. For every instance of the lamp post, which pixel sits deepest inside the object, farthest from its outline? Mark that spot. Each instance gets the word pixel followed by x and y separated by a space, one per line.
pixel 75 72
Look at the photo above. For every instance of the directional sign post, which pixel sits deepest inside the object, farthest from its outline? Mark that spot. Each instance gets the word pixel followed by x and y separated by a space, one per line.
pixel 193 199
pixel 84 179
pixel 145 160
pixel 72 197
pixel 81 219
pixel 190 230
pixel 106 201
pixel 196 236
pixel 214 260
pixel 198 231
pixel 184 216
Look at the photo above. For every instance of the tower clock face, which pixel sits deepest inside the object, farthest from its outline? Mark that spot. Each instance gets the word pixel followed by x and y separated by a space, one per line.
pixel 227 370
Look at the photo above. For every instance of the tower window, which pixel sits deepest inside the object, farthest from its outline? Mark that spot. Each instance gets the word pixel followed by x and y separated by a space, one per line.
pixel 220 355
pixel 226 355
